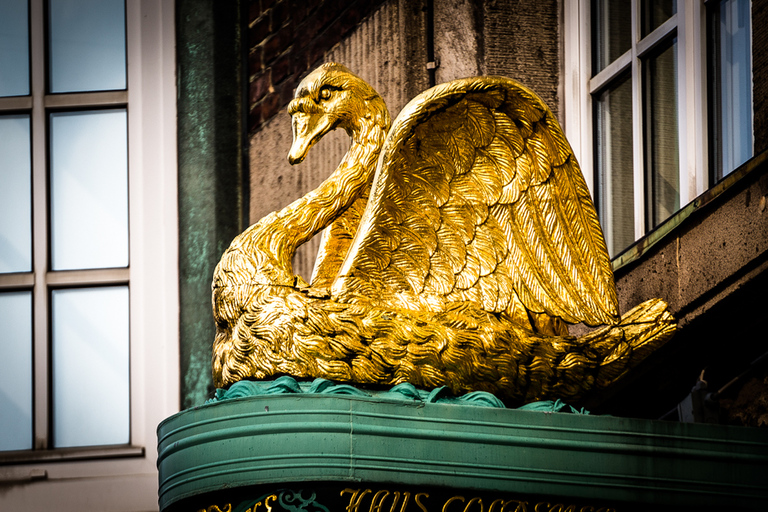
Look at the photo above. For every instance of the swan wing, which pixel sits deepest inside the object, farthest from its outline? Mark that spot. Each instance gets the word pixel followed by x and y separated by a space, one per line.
pixel 478 198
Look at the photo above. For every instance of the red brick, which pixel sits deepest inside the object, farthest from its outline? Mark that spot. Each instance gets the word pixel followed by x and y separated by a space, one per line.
pixel 316 52
pixel 255 65
pixel 258 32
pixel 266 4
pixel 254 10
pixel 320 20
pixel 254 118
pixel 281 13
pixel 270 106
pixel 260 87
pixel 286 90
pixel 349 19
pixel 281 68
pixel 277 44
pixel 299 62
pixel 299 11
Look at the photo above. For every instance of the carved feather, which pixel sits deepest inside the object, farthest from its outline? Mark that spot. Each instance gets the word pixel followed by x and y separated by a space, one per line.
pixel 486 157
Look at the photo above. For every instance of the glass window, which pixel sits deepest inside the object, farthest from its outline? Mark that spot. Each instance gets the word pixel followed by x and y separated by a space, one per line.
pixel 656 12
pixel 89 189
pixel 15 194
pixel 86 45
pixel 611 32
pixel 662 158
pixel 613 148
pixel 634 89
pixel 64 337
pixel 16 370
pixel 690 124
pixel 731 85
pixel 90 366
pixel 14 48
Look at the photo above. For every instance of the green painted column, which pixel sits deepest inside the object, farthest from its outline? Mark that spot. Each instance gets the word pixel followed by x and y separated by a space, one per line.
pixel 211 77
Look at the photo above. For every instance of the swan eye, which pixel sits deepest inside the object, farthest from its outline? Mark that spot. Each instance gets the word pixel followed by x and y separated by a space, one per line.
pixel 325 93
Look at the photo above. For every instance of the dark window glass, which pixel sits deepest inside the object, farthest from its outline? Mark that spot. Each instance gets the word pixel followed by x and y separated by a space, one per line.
pixel 611 32
pixel 656 12
pixel 614 176
pixel 661 135
pixel 730 72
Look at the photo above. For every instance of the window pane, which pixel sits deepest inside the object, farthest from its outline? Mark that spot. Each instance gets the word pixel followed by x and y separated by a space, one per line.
pixel 14 48
pixel 86 45
pixel 90 366
pixel 15 195
pixel 732 86
pixel 662 162
pixel 611 32
pixel 656 12
pixel 613 134
pixel 89 190
pixel 16 371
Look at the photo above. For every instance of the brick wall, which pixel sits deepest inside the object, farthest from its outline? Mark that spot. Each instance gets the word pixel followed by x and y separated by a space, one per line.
pixel 286 39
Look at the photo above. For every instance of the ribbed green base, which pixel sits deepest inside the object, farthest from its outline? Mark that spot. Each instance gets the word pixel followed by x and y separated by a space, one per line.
pixel 276 441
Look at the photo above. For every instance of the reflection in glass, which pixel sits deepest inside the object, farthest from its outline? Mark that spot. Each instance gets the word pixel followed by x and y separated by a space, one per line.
pixel 15 194
pixel 89 189
pixel 656 12
pixel 90 366
pixel 731 72
pixel 611 32
pixel 86 45
pixel 14 48
pixel 16 371
pixel 661 155
pixel 615 192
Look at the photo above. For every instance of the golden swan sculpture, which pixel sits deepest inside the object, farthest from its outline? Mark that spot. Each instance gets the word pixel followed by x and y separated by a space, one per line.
pixel 459 243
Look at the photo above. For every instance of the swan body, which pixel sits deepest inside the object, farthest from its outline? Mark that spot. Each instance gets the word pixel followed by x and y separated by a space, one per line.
pixel 459 242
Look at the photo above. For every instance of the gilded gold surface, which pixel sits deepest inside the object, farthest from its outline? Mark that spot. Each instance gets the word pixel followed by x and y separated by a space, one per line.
pixel 459 243
pixel 215 508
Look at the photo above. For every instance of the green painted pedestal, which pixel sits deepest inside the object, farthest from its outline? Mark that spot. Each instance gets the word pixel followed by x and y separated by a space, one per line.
pixel 336 453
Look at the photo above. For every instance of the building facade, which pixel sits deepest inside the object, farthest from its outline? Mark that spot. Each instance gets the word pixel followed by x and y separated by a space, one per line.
pixel 663 102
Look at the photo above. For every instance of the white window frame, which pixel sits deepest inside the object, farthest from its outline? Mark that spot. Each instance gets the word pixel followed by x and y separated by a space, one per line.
pixel 690 24
pixel 122 477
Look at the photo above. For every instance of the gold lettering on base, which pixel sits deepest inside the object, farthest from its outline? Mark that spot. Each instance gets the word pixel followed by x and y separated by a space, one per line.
pixel 522 506
pixel 215 508
pixel 493 504
pixel 378 500
pixel 357 497
pixel 396 500
pixel 474 500
pixel 419 503
pixel 455 498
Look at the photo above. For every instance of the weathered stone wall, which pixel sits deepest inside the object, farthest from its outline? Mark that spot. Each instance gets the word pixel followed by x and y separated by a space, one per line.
pixel 522 41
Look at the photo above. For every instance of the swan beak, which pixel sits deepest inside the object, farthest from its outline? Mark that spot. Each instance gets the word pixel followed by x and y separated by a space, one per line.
pixel 307 129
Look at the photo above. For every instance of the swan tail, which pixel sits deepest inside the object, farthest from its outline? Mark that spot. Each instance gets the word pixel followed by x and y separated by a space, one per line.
pixel 640 332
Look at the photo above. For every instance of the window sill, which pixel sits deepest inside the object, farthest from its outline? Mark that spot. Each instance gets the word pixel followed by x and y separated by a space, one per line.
pixel 636 251
pixel 63 455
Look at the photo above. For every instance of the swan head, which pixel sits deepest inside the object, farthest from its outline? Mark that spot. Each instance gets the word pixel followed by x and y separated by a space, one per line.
pixel 333 97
